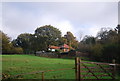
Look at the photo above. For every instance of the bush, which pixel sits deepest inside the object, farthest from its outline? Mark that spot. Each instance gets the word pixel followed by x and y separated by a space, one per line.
pixel 18 50
pixel 110 52
pixel 97 52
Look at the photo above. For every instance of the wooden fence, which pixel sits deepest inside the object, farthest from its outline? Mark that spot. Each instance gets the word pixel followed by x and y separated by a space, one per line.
pixel 94 70
pixel 42 76
pixel 83 71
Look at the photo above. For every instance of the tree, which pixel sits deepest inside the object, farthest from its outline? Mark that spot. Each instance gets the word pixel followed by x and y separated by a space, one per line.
pixel 87 43
pixel 40 40
pixel 71 40
pixel 23 40
pixel 118 28
pixel 110 52
pixel 6 45
pixel 48 35
pixel 90 40
pixel 97 52
pixel 112 36
pixel 108 39
pixel 102 35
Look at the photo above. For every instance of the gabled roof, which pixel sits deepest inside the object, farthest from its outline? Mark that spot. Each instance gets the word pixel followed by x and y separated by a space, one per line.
pixel 65 46
pixel 62 46
pixel 54 47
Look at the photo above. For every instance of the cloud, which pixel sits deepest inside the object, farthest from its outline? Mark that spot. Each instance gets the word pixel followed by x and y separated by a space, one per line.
pixel 62 24
pixel 16 21
pixel 65 26
pixel 93 30
pixel 81 17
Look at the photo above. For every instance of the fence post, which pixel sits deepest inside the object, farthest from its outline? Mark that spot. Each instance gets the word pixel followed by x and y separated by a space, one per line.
pixel 42 76
pixel 114 68
pixel 80 69
pixel 77 68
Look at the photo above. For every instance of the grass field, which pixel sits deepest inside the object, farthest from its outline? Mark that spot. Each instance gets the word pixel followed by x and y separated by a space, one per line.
pixel 19 64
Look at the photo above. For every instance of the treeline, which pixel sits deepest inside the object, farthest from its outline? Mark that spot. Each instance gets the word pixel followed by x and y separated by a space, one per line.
pixel 39 41
pixel 104 47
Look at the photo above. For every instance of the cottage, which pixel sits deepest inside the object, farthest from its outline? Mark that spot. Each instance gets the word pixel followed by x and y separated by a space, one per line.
pixel 63 48
pixel 53 48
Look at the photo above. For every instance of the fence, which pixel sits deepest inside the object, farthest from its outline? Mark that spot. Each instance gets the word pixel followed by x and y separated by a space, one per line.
pixel 94 70
pixel 42 74
pixel 82 71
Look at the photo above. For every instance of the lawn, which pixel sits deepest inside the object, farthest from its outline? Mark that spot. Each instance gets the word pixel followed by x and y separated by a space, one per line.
pixel 20 64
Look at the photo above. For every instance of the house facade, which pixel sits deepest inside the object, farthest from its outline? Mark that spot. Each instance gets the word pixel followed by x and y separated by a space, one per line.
pixel 63 48
pixel 53 48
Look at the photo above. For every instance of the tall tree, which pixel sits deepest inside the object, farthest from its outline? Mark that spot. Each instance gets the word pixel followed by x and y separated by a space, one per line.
pixel 71 40
pixel 6 46
pixel 90 40
pixel 23 40
pixel 48 35
pixel 87 43
pixel 102 35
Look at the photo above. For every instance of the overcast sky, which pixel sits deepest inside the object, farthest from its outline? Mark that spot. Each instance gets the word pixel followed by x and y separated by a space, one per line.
pixel 84 18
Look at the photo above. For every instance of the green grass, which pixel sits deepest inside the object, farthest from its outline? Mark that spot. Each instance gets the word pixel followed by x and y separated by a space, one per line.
pixel 18 64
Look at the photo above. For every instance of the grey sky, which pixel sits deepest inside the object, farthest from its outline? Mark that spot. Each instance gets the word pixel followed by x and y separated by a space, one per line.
pixel 78 17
